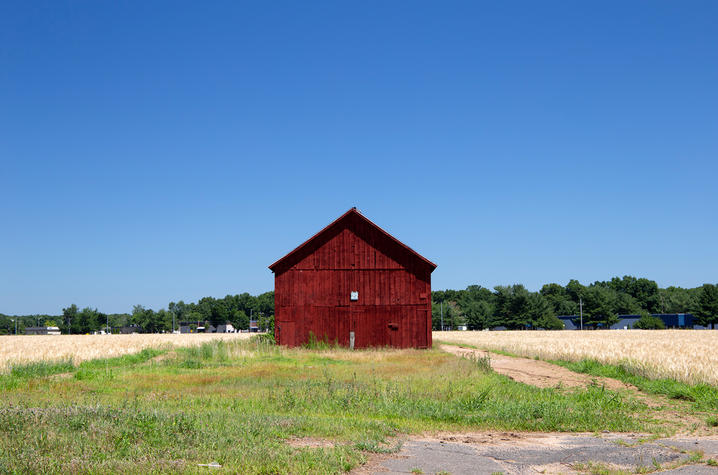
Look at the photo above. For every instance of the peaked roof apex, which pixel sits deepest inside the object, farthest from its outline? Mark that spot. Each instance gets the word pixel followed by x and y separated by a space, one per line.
pixel 353 211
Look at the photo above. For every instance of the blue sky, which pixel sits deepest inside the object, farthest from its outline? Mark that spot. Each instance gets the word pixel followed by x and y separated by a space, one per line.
pixel 158 151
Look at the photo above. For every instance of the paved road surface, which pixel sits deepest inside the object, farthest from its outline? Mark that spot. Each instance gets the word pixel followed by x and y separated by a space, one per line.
pixel 520 454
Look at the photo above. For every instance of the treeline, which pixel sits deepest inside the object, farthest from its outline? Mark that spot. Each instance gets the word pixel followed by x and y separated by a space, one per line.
pixel 235 309
pixel 514 307
pixel 511 306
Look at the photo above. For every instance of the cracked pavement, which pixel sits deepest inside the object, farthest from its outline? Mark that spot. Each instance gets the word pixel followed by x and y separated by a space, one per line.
pixel 550 453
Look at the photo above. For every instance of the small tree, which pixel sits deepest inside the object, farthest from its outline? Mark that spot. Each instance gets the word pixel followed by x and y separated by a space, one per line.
pixel 478 314
pixel 649 322
pixel 708 305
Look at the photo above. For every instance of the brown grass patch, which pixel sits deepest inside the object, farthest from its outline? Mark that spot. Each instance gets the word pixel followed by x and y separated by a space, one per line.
pixel 310 443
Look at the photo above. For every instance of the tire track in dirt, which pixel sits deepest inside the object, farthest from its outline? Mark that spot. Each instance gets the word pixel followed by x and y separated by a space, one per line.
pixel 538 373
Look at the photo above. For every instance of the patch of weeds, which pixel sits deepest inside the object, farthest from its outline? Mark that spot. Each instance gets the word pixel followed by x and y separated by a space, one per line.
pixel 417 471
pixel 191 363
pixel 475 402
pixel 482 362
pixel 712 421
pixel 376 447
pixel 263 338
pixel 141 356
pixel 623 443
pixel 320 344
pixel 437 343
pixel 39 369
pixel 597 468
pixel 712 462
pixel 84 374
pixel 703 396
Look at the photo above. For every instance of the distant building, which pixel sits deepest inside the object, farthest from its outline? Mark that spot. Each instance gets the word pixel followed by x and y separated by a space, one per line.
pixel 42 331
pixel 223 328
pixel 677 320
pixel 200 327
pixel 628 322
pixel 568 322
pixel 625 322
pixel 129 329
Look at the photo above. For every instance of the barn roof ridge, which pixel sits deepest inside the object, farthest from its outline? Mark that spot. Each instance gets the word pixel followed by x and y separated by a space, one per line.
pixel 356 212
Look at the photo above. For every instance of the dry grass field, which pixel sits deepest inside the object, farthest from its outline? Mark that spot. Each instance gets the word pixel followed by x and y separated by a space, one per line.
pixel 32 348
pixel 690 356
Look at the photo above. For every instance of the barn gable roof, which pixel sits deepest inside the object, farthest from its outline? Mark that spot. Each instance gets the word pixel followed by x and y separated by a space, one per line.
pixel 352 213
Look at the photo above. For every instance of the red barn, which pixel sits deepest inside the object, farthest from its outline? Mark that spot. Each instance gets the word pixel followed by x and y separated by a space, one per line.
pixel 355 284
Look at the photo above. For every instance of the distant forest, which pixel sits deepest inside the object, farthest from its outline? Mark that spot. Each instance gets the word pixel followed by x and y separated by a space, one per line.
pixel 511 306
pixel 236 309
pixel 514 307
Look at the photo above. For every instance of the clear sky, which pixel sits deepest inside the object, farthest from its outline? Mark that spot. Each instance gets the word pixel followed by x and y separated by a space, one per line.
pixel 158 151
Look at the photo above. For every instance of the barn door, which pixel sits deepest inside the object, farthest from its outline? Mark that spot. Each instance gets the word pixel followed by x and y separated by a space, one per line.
pixel 340 320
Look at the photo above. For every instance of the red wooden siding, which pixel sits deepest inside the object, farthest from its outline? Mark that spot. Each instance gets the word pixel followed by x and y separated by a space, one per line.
pixel 313 284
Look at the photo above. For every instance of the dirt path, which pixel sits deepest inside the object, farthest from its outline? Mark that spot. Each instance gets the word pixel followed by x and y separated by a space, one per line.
pixel 537 373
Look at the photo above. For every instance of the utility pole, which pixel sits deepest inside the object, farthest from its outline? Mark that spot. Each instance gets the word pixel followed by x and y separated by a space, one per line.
pixel 442 315
pixel 580 306
pixel 108 323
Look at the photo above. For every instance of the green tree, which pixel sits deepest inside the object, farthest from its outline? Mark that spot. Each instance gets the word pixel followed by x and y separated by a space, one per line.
pixel 625 304
pixel 575 290
pixel 649 322
pixel 219 313
pixel 149 320
pixel 68 315
pixel 678 300
pixel 644 291
pixel 559 299
pixel 478 314
pixel 449 315
pixel 7 327
pixel 86 321
pixel 707 314
pixel 512 307
pixel 598 308
pixel 539 313
pixel 239 319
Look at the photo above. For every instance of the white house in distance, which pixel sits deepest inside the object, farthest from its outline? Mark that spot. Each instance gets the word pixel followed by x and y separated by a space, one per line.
pixel 42 331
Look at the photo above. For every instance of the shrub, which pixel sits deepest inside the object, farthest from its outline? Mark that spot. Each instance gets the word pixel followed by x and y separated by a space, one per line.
pixel 649 322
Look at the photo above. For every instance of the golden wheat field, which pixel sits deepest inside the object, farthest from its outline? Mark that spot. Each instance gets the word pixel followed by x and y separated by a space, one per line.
pixel 685 355
pixel 30 348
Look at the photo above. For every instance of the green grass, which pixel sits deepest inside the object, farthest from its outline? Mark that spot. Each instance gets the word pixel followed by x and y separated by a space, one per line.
pixel 235 403
pixel 701 396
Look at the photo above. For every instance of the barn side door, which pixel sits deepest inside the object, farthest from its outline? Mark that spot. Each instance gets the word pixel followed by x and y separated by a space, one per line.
pixel 342 324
